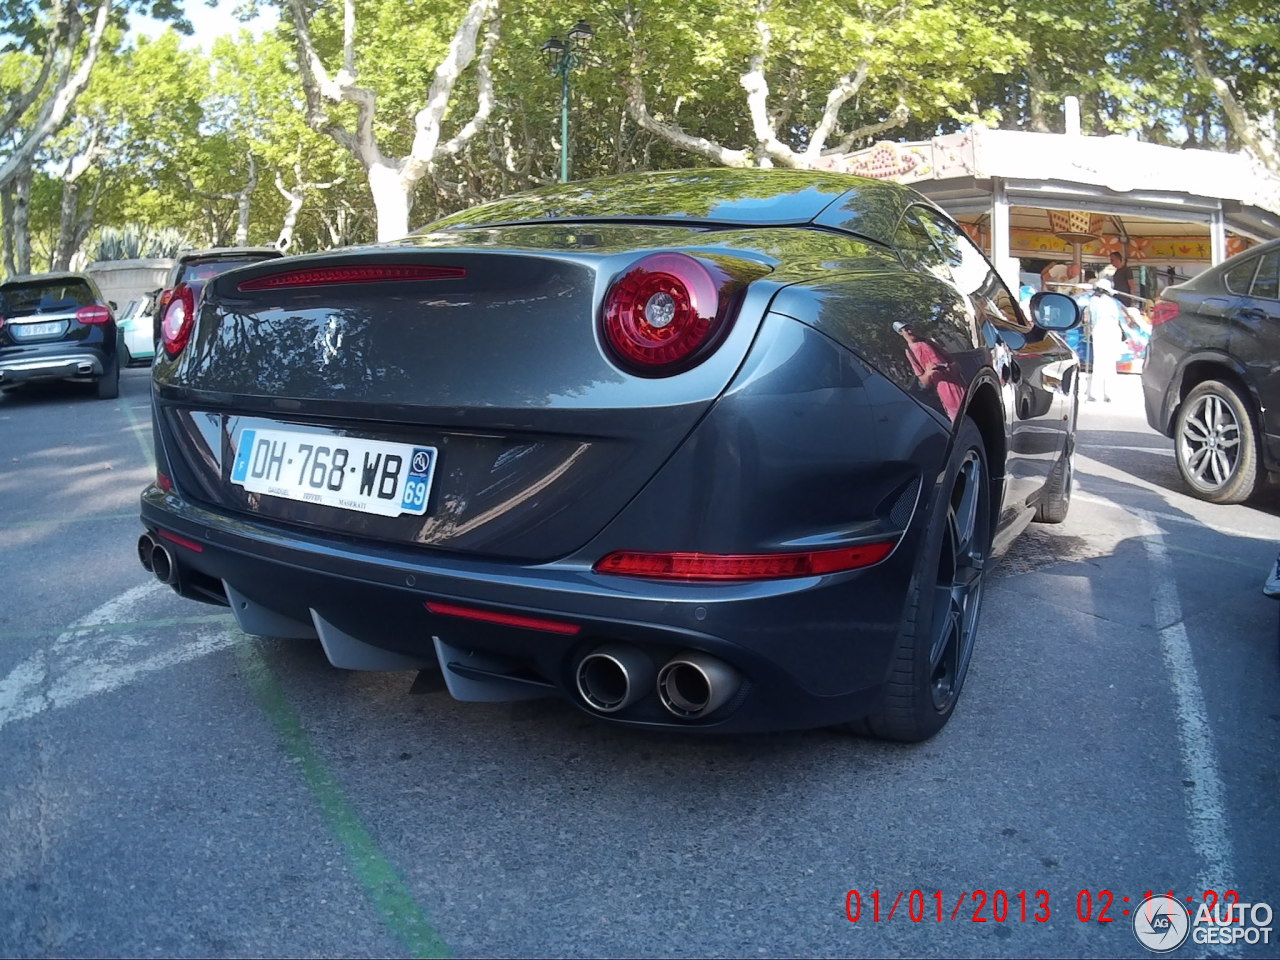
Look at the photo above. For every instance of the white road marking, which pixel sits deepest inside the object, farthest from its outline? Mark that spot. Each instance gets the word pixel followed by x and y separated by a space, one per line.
pixel 1206 795
pixel 83 662
pixel 1256 534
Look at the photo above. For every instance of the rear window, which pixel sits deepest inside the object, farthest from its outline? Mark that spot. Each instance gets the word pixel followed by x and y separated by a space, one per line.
pixel 25 299
pixel 213 268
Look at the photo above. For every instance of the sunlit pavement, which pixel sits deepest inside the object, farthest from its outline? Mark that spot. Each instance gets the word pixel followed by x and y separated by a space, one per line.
pixel 172 787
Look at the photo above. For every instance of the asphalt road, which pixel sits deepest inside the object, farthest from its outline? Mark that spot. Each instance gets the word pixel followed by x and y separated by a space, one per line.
pixel 169 786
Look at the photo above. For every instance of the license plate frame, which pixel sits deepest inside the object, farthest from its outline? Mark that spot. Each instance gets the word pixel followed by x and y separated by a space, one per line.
pixel 45 328
pixel 362 479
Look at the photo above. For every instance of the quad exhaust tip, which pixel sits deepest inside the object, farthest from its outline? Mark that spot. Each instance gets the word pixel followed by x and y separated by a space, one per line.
pixel 156 558
pixel 694 684
pixel 613 677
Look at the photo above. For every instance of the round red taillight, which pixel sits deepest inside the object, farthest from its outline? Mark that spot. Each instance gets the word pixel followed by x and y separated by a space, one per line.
pixel 179 316
pixel 93 314
pixel 665 314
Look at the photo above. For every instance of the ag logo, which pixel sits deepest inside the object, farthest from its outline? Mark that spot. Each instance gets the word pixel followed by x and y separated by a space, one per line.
pixel 1161 924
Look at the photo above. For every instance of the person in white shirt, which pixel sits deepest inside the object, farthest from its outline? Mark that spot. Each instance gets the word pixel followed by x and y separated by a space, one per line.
pixel 1105 318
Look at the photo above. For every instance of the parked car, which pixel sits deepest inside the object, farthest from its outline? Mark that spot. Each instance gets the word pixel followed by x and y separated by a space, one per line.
pixel 702 450
pixel 1212 378
pixel 57 326
pixel 137 339
pixel 200 266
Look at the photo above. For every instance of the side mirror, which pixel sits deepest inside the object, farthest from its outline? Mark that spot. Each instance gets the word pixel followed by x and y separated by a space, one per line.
pixel 114 308
pixel 1054 311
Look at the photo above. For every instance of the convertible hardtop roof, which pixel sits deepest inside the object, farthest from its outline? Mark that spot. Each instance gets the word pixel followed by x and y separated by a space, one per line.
pixel 716 197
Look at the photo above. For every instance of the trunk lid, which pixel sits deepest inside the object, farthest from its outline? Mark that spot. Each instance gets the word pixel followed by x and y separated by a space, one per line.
pixel 535 438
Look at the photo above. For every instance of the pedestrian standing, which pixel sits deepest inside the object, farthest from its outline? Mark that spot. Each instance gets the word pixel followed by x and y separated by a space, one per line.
pixel 1105 317
pixel 1121 275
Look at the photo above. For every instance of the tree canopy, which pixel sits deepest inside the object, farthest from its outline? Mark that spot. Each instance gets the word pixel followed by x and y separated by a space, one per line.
pixel 354 119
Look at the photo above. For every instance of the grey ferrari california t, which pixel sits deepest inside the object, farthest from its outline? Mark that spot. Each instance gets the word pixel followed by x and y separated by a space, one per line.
pixel 712 450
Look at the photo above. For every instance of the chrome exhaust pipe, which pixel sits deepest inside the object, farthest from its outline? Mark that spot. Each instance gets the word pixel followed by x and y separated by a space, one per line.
pixel 146 544
pixel 85 368
pixel 694 684
pixel 162 565
pixel 613 677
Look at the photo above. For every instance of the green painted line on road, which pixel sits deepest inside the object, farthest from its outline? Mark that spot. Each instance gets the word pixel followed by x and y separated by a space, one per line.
pixel 131 626
pixel 381 881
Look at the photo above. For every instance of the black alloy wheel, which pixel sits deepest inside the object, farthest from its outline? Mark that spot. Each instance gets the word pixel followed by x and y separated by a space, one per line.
pixel 1216 443
pixel 957 594
pixel 940 622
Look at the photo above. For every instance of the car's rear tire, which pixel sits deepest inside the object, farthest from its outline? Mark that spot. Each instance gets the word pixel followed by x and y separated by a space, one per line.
pixel 935 642
pixel 1216 443
pixel 1055 499
pixel 109 382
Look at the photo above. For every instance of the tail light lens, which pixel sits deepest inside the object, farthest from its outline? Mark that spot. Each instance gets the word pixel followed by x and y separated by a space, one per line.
pixel 94 314
pixel 1163 312
pixel 179 317
pixel 667 313
pixel 742 566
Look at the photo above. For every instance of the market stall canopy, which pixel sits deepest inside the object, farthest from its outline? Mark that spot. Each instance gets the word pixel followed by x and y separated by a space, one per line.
pixel 1187 200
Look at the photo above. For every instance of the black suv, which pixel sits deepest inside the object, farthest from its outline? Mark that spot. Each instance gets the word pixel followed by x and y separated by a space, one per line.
pixel 1212 379
pixel 57 326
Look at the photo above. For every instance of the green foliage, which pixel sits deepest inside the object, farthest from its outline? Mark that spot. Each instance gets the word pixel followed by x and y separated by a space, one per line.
pixel 134 241
pixel 178 127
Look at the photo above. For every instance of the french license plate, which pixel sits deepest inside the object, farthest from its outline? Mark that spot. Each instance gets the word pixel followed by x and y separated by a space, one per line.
pixel 350 473
pixel 39 329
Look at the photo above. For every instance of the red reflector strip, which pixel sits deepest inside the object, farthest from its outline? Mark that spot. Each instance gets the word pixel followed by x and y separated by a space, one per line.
pixel 748 566
pixel 504 619
pixel 373 273
pixel 163 481
pixel 180 541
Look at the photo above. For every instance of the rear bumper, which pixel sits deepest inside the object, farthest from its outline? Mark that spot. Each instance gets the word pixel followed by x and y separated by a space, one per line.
pixel 808 652
pixel 62 365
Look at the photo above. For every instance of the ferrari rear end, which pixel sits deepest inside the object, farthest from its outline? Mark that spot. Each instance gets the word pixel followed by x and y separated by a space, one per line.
pixel 584 461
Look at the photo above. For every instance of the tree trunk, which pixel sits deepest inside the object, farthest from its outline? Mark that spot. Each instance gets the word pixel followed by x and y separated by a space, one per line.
pixel 391 200
pixel 70 219
pixel 242 204
pixel 296 197
pixel 22 220
pixel 6 229
pixel 392 180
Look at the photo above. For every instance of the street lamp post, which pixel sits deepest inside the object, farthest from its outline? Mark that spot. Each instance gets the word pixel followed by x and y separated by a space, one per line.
pixel 562 56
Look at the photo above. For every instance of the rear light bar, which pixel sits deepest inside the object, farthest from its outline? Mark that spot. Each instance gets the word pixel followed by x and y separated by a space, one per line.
pixel 1164 311
pixel 372 273
pixel 504 619
pixel 742 566
pixel 93 314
